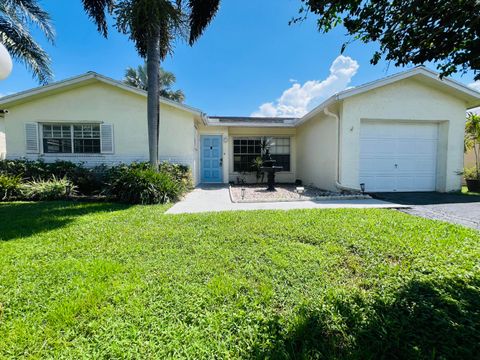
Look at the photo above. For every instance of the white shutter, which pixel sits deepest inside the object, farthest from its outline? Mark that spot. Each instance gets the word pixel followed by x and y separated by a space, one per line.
pixel 31 138
pixel 106 138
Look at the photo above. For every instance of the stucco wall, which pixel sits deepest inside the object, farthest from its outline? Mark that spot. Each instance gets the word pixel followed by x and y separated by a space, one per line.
pixel 3 145
pixel 102 103
pixel 317 152
pixel 406 100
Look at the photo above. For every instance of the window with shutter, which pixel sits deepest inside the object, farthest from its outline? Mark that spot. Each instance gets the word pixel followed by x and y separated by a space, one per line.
pixel 76 138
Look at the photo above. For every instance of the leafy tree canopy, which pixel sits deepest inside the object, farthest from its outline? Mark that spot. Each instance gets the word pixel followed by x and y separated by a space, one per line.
pixel 446 32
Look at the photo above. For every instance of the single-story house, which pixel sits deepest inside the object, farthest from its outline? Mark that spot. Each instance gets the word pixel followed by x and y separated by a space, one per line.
pixel 400 133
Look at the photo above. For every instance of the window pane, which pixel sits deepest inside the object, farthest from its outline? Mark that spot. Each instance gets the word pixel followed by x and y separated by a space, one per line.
pixel 86 131
pixel 87 146
pixel 282 160
pixel 245 151
pixel 57 146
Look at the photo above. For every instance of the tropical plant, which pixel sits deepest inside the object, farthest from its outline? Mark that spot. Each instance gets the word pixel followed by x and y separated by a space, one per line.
pixel 17 18
pixel 135 185
pixel 9 186
pixel 138 77
pixel 265 144
pixel 51 189
pixel 472 143
pixel 257 166
pixel 408 32
pixel 153 26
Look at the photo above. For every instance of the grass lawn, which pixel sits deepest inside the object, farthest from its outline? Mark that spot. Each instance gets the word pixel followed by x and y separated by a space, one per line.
pixel 112 281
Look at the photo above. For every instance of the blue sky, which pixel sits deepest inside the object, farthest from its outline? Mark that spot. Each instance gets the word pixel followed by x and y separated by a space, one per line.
pixel 249 61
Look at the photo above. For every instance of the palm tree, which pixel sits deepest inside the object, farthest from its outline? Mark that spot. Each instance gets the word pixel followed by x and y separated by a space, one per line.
pixel 153 25
pixel 16 19
pixel 138 77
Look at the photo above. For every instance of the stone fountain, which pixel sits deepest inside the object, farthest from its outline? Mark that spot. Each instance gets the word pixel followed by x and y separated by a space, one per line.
pixel 270 168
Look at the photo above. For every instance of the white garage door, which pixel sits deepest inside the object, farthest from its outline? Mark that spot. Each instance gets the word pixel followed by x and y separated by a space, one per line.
pixel 398 156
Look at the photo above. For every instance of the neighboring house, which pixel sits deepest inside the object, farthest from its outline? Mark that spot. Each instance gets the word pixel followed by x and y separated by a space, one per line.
pixel 401 133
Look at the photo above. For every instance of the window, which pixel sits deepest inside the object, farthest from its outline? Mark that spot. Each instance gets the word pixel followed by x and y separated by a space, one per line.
pixel 246 150
pixel 60 138
pixel 86 139
pixel 57 139
pixel 280 151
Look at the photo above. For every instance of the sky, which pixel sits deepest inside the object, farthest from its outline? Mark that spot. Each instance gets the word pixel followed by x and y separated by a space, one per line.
pixel 249 62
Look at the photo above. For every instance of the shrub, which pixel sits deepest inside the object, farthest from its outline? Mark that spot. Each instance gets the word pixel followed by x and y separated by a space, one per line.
pixel 135 185
pixel 181 173
pixel 86 180
pixel 9 186
pixel 471 173
pixel 51 189
pixel 26 169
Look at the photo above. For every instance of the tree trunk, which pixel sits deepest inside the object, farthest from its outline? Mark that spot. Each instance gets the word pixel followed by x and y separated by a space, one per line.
pixel 153 100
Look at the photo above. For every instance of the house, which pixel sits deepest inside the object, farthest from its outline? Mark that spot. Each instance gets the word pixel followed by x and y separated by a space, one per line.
pixel 401 133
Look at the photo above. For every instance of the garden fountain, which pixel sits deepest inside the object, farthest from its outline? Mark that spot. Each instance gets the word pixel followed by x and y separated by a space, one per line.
pixel 270 168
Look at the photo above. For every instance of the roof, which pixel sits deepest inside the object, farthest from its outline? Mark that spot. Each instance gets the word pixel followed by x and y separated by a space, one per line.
pixel 250 121
pixel 471 97
pixel 85 79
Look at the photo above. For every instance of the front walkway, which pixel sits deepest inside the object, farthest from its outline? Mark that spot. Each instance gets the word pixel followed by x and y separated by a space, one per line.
pixel 217 198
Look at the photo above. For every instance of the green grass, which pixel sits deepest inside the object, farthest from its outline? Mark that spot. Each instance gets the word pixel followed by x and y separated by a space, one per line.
pixel 97 280
pixel 466 192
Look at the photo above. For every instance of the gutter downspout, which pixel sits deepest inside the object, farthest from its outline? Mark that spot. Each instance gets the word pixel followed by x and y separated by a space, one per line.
pixel 338 185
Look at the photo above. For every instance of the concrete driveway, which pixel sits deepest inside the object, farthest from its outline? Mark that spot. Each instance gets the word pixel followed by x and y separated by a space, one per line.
pixel 206 198
pixel 454 208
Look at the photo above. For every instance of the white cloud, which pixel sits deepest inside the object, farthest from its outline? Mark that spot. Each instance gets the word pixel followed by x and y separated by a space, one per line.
pixel 297 100
pixel 475 85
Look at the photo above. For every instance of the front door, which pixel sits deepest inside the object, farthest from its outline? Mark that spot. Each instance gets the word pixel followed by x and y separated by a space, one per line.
pixel 211 158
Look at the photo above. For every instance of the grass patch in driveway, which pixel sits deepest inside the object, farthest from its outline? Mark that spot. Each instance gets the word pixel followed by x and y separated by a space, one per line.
pixel 112 281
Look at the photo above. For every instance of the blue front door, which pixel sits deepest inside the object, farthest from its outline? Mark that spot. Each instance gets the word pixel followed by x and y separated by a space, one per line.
pixel 211 158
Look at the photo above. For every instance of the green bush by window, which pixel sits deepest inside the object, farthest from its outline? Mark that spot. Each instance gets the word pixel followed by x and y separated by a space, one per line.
pixel 135 183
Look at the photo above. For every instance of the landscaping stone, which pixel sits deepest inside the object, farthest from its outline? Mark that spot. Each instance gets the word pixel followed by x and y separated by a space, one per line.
pixel 285 192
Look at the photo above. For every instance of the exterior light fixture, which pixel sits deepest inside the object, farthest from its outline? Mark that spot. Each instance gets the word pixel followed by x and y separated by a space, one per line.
pixel 6 64
pixel 362 187
pixel 243 193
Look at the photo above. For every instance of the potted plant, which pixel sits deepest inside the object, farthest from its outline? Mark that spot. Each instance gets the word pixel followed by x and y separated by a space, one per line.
pixel 472 142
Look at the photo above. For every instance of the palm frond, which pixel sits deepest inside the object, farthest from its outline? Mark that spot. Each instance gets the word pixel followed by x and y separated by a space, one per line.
pixel 21 45
pixel 97 10
pixel 138 77
pixel 29 12
pixel 202 13
pixel 16 18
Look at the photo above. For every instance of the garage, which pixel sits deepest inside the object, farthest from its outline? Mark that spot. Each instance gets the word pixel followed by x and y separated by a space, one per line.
pixel 398 156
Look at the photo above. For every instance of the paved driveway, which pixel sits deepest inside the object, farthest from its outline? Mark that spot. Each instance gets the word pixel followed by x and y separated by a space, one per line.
pixel 217 198
pixel 454 208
